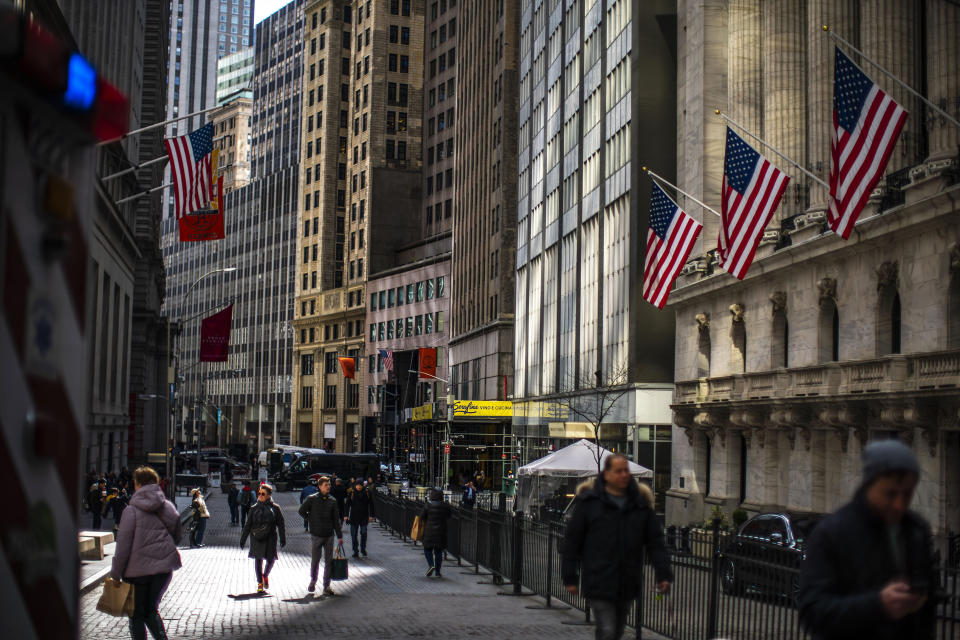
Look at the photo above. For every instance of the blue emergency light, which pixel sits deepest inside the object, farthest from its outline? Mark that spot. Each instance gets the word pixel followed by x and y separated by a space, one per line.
pixel 81 83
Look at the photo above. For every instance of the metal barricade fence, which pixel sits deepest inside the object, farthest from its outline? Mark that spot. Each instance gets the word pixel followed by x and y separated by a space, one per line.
pixel 720 590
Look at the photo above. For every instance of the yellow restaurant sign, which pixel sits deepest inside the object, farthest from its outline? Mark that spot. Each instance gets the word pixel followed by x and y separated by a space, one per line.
pixel 423 412
pixel 482 409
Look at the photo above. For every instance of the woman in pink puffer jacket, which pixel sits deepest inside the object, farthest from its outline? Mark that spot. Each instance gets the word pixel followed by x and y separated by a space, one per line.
pixel 146 554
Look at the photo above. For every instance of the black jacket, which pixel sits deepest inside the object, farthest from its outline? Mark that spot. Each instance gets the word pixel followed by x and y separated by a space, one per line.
pixel 359 506
pixel 605 543
pixel 339 492
pixel 848 563
pixel 322 515
pixel 264 515
pixel 435 515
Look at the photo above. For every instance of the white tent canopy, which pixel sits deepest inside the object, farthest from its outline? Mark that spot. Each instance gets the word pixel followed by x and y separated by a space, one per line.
pixel 577 460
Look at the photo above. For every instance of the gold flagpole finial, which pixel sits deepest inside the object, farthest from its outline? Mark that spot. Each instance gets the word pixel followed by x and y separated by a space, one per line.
pixel 825 28
pixel 716 111
pixel 644 167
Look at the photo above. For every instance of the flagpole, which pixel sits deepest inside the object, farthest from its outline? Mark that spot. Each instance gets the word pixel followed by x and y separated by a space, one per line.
pixel 845 42
pixel 144 193
pixel 154 126
pixel 772 148
pixel 679 190
pixel 133 168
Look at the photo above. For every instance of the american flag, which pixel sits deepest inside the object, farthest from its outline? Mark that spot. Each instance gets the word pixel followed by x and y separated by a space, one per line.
pixel 387 357
pixel 752 188
pixel 669 240
pixel 191 158
pixel 866 125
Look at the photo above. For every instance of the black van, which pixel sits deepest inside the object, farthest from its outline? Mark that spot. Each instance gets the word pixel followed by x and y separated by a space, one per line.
pixel 340 465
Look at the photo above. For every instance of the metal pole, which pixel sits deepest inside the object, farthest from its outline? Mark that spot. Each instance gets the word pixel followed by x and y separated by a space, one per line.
pixel 133 168
pixel 680 191
pixel 714 581
pixel 772 148
pixel 840 39
pixel 137 196
pixel 154 126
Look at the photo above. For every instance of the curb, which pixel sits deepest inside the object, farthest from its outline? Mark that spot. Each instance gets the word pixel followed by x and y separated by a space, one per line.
pixel 100 576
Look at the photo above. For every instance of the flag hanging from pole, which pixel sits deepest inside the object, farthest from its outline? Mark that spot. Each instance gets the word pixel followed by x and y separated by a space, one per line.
pixel 866 125
pixel 669 240
pixel 752 188
pixel 348 366
pixel 191 164
pixel 206 224
pixel 427 357
pixel 215 336
pixel 387 358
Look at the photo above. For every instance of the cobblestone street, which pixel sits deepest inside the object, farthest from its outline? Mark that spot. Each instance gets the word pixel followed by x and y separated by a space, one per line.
pixel 387 596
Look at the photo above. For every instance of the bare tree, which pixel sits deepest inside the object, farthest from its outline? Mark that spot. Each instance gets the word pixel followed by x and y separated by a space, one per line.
pixel 593 400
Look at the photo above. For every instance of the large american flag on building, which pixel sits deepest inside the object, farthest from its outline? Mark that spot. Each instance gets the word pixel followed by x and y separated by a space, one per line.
pixel 866 125
pixel 669 240
pixel 387 358
pixel 191 163
pixel 752 188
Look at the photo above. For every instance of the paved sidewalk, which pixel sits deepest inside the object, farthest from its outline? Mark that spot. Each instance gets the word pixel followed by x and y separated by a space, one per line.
pixel 387 596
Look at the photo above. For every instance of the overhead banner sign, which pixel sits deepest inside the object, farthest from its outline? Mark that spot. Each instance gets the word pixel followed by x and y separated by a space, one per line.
pixel 482 409
pixel 215 336
pixel 423 412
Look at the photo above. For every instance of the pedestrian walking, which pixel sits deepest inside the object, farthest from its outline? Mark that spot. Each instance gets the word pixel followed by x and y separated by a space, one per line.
pixel 339 492
pixel 95 501
pixel 323 515
pixel 246 501
pixel 233 501
pixel 306 492
pixel 146 552
pixel 434 516
pixel 869 570
pixel 118 505
pixel 200 517
pixel 359 513
pixel 265 528
pixel 469 495
pixel 613 521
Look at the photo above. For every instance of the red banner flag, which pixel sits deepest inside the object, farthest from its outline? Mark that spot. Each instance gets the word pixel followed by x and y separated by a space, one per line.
pixel 349 367
pixel 206 224
pixel 215 336
pixel 428 363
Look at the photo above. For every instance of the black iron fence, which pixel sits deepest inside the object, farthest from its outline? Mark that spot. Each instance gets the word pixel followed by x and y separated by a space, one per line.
pixel 723 588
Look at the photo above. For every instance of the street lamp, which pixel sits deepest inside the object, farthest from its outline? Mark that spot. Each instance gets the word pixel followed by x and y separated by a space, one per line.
pixel 175 379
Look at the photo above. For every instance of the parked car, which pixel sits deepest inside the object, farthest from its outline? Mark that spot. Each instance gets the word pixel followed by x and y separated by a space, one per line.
pixel 765 553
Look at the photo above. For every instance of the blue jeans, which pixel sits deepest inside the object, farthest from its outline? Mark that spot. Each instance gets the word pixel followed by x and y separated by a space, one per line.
pixel 234 514
pixel 434 558
pixel 198 532
pixel 611 618
pixel 363 536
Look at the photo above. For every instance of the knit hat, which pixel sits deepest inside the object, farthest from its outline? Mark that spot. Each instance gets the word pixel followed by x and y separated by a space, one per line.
pixel 885 456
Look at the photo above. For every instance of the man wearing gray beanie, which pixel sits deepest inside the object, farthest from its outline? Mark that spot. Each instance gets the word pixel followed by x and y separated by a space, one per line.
pixel 868 571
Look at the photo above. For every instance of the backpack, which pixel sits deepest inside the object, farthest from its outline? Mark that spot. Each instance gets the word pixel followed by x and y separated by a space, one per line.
pixel 246 498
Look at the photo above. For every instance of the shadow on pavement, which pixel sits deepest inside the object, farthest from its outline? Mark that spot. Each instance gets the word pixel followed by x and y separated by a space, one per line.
pixel 248 596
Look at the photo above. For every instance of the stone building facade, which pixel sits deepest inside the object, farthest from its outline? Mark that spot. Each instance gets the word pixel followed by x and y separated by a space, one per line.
pixel 232 136
pixel 362 113
pixel 826 344
pixel 596 100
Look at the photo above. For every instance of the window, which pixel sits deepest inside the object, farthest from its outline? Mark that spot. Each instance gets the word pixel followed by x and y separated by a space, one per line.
pixel 420 291
pixel 738 339
pixel 403 95
pixel 409 325
pixel 438 326
pixel 371 363
pixel 306 364
pixel 394 34
pixel 428 323
pixel 395 7
pixel 780 340
pixel 381 331
pixel 390 149
pixel 448 208
pixel 330 397
pixel 399 296
pixel 418 326
pixel 405 7
pixel 392 62
pixel 391 121
pixel 404 35
pixel 373 333
pixel 703 350
pixel 401 150
pixel 399 326
pixel 404 64
pixel 402 121
pixel 330 362
pixel 389 330
pixel 829 331
pixel 306 397
pixel 430 289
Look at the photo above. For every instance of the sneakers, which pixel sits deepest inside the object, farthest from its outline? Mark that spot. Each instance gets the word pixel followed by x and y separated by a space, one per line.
pixel 439 575
pixel 430 571
pixel 266 582
pixel 327 591
pixel 311 587
pixel 363 553
pixel 259 587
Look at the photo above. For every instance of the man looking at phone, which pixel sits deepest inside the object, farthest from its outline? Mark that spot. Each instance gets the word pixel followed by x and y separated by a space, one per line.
pixel 868 571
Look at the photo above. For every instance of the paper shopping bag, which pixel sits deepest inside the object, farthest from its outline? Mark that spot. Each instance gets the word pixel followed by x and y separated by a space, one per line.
pixel 116 599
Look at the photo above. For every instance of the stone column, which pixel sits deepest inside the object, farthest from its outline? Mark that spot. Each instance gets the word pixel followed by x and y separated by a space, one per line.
pixel 842 16
pixel 784 52
pixel 943 76
pixel 744 88
pixel 890 36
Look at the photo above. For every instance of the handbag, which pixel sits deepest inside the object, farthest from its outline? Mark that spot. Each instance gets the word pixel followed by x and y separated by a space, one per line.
pixel 339 569
pixel 116 599
pixel 416 532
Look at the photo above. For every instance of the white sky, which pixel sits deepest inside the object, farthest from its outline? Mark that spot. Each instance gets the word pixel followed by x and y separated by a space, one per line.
pixel 264 8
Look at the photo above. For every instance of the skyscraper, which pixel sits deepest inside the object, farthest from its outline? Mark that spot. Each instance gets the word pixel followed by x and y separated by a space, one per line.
pixel 235 29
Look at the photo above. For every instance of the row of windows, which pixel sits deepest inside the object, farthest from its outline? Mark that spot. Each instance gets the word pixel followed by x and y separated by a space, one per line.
pixel 400 7
pixel 443 91
pixel 330 331
pixel 330 396
pixel 446 176
pixel 444 210
pixel 449 29
pixel 440 122
pixel 414 292
pixel 438 151
pixel 440 63
pixel 399 35
pixel 407 327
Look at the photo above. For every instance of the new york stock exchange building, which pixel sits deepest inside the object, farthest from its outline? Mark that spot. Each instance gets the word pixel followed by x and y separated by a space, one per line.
pixel 827 343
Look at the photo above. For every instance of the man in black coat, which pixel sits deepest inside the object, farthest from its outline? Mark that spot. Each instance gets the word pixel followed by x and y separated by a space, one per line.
pixel 321 512
pixel 868 571
pixel 611 525
pixel 359 505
